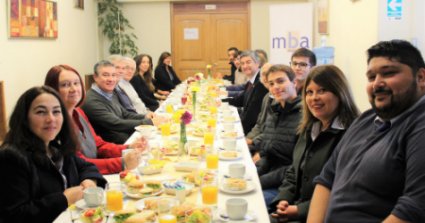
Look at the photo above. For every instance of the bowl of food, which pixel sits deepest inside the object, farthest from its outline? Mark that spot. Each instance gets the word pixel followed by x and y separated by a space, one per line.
pixel 171 187
pixel 92 215
pixel 190 213
pixel 235 184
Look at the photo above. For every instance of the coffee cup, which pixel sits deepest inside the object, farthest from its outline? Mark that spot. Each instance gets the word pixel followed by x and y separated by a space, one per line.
pixel 125 151
pixel 93 196
pixel 146 131
pixel 237 170
pixel 229 144
pixel 236 208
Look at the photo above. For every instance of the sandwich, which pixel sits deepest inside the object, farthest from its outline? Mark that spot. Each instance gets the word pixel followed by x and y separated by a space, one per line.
pixel 155 185
pixel 151 203
pixel 142 217
pixel 122 215
pixel 146 191
pixel 134 186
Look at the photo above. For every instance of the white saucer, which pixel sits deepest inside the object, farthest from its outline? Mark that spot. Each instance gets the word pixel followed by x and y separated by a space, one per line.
pixel 226 158
pixel 249 217
pixel 249 187
pixel 81 204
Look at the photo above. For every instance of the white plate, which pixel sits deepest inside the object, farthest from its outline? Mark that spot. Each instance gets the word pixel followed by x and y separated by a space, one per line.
pixel 81 204
pixel 186 166
pixel 139 196
pixel 140 204
pixel 249 187
pixel 231 119
pixel 224 135
pixel 249 217
pixel 222 157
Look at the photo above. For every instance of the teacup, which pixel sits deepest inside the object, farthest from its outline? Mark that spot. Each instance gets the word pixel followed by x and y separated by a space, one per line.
pixel 93 196
pixel 237 170
pixel 146 131
pixel 236 208
pixel 229 144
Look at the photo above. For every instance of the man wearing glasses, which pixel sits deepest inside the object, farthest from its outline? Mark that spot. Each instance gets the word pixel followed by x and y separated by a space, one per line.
pixel 302 61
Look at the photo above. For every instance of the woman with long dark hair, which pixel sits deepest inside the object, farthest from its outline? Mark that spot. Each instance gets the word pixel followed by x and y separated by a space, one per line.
pixel 39 171
pixel 143 81
pixel 165 76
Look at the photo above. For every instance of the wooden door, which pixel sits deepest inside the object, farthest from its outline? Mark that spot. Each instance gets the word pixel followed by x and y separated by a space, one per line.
pixel 202 33
pixel 2 113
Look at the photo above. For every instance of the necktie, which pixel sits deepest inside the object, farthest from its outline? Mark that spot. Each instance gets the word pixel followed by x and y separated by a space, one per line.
pixel 249 86
pixel 125 100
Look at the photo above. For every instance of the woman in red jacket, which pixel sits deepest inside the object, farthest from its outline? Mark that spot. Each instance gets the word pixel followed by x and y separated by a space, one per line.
pixel 105 155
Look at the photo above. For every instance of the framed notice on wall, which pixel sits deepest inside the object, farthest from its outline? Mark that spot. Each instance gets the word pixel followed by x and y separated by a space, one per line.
pixel 33 19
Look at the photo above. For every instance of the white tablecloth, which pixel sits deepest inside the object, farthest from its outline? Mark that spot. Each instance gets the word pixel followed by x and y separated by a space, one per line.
pixel 256 204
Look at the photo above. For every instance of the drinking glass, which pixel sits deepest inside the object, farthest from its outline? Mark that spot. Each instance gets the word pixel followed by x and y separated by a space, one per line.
pixel 169 108
pixel 165 129
pixel 114 196
pixel 212 122
pixel 209 191
pixel 209 138
pixel 164 210
pixel 212 160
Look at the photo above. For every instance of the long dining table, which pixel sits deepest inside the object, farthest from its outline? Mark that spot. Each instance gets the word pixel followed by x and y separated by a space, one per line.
pixel 257 211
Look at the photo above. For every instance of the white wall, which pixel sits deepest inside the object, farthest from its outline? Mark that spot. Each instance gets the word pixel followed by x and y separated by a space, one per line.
pixel 25 62
pixel 352 30
pixel 151 21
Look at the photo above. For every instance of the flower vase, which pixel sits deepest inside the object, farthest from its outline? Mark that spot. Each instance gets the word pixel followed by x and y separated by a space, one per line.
pixel 194 103
pixel 183 140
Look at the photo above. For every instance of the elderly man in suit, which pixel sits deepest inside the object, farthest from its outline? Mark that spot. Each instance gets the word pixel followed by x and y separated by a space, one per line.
pixel 251 98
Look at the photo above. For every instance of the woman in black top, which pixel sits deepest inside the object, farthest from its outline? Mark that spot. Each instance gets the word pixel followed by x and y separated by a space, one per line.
pixel 40 173
pixel 166 78
pixel 142 81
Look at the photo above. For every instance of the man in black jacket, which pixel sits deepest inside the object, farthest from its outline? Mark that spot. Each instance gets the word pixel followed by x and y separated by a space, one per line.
pixel 250 100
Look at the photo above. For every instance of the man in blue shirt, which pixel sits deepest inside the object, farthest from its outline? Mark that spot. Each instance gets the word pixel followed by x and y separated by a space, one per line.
pixel 377 172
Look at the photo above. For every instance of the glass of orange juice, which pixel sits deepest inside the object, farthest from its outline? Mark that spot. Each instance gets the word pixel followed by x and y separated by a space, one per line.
pixel 165 129
pixel 209 191
pixel 212 122
pixel 212 160
pixel 169 108
pixel 209 138
pixel 213 110
pixel 114 196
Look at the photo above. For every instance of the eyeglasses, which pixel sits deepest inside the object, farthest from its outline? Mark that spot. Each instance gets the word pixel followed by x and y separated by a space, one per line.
pixel 301 64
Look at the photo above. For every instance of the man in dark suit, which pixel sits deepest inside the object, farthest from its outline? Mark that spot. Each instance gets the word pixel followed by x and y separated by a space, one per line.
pixel 250 100
pixel 232 53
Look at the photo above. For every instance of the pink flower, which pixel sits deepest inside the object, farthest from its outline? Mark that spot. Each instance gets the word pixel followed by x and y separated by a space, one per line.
pixel 186 117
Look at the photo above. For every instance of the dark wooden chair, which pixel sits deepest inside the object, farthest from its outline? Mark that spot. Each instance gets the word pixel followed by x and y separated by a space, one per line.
pixel 88 80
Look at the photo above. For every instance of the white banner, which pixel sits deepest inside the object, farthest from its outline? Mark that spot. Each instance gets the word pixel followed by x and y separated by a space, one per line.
pixel 291 27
